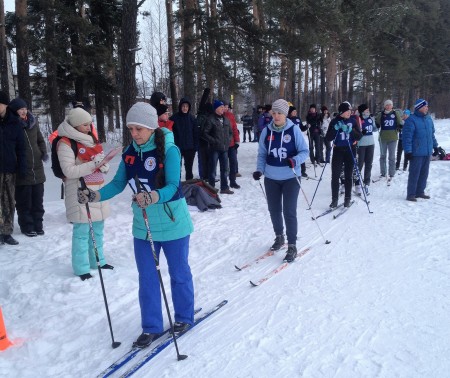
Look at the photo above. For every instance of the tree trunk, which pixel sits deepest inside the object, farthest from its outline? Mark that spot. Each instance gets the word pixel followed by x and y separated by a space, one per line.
pixel 23 67
pixel 323 94
pixel 57 110
pixel 3 52
pixel 171 52
pixel 128 89
pixel 187 8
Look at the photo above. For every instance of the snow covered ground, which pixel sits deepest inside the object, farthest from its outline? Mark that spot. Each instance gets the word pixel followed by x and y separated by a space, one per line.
pixel 373 303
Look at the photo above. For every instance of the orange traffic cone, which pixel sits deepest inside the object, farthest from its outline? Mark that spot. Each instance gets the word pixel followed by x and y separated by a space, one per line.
pixel 4 341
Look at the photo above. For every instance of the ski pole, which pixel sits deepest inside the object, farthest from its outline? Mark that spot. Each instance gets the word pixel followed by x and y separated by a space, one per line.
pixel 320 178
pixel 139 188
pixel 115 344
pixel 359 177
pixel 312 212
pixel 262 189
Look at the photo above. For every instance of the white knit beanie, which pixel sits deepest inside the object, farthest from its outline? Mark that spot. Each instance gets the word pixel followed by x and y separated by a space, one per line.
pixel 281 106
pixel 78 117
pixel 144 115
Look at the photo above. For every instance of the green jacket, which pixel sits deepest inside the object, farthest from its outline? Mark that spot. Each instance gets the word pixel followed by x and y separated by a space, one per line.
pixel 389 135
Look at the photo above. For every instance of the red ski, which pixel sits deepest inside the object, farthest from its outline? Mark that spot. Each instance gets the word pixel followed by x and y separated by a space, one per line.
pixel 266 254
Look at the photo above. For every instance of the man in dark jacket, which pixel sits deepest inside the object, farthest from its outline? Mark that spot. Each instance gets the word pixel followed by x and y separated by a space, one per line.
pixel 30 187
pixel 314 134
pixel 185 132
pixel 217 132
pixel 12 161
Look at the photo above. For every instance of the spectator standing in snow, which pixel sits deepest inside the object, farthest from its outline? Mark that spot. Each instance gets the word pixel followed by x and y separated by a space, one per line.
pixel 281 150
pixel 293 116
pixel 418 144
pixel 388 122
pixel 366 147
pixel 87 164
pixel 325 120
pixel 344 132
pixel 217 133
pixel 185 132
pixel 233 148
pixel 30 187
pixel 155 159
pixel 163 116
pixel 12 163
pixel 255 117
pixel 406 114
pixel 247 125
pixel 314 133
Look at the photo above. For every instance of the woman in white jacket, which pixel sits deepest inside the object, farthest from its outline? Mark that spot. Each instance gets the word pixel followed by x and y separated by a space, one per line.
pixel 87 164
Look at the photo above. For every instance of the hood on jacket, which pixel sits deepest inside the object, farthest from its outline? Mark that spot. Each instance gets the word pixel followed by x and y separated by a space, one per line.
pixel 288 125
pixel 184 100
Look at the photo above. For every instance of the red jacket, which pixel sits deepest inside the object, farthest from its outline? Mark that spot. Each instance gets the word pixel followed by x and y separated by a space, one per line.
pixel 234 129
pixel 168 124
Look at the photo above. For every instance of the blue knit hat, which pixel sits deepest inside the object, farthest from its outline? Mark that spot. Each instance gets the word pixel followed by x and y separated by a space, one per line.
pixel 407 112
pixel 420 103
pixel 217 103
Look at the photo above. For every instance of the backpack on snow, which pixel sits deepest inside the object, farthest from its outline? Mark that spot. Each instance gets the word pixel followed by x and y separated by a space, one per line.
pixel 56 166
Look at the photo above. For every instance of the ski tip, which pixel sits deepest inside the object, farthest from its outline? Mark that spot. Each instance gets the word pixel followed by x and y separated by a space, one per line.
pixel 239 269
pixel 253 284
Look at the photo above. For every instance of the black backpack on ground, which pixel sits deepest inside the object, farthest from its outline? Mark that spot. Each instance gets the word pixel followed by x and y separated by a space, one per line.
pixel 56 166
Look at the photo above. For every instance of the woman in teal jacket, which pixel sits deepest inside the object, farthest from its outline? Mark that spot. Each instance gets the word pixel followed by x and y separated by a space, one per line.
pixel 155 160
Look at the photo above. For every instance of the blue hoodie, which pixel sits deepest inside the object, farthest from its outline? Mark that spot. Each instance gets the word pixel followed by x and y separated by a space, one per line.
pixel 276 146
pixel 169 218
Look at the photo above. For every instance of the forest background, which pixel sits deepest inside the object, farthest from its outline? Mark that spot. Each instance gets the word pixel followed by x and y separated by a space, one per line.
pixel 111 53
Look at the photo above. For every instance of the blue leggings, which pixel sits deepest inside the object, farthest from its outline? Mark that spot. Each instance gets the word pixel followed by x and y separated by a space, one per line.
pixel 282 198
pixel 83 255
pixel 176 252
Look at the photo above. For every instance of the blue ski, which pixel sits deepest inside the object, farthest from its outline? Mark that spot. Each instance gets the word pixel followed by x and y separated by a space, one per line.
pixel 169 340
pixel 131 354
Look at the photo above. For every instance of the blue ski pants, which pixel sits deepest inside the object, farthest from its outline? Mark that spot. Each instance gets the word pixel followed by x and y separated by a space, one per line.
pixel 83 254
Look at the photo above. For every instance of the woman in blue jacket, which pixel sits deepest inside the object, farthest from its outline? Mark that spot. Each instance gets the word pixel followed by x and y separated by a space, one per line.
pixel 418 143
pixel 281 150
pixel 154 158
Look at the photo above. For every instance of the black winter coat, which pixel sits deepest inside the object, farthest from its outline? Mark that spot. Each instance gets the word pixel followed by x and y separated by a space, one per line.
pixel 185 128
pixel 218 132
pixel 12 145
pixel 36 150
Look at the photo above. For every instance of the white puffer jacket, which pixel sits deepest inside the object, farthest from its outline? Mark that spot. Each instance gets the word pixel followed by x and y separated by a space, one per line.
pixel 73 169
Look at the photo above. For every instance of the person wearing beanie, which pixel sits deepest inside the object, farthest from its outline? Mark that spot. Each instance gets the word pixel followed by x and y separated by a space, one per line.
pixel 218 134
pixel 87 164
pixel 163 116
pixel 325 119
pixel 265 119
pixel 292 115
pixel 256 116
pixel 419 142
pixel 281 151
pixel 29 192
pixel 152 165
pixel 185 131
pixel 344 133
pixel 366 148
pixel 388 121
pixel 405 115
pixel 157 98
pixel 232 149
pixel 12 166
pixel 314 135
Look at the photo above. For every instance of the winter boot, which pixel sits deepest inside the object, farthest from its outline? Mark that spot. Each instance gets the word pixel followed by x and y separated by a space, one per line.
pixel 179 327
pixel 347 201
pixel 144 340
pixel 423 195
pixel 8 239
pixel 279 241
pixel 334 203
pixel 85 277
pixel 291 253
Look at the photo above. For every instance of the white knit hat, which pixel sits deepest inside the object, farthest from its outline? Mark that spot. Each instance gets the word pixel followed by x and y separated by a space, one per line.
pixel 281 106
pixel 144 115
pixel 78 117
pixel 388 102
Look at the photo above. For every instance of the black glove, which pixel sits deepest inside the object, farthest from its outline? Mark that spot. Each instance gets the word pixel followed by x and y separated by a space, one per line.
pixel 408 155
pixel 87 195
pixel 236 145
pixel 436 151
pixel 290 162
pixel 364 132
pixel 257 175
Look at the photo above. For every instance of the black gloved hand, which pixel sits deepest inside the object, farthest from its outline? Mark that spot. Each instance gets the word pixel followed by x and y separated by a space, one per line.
pixel 364 132
pixel 257 175
pixel 408 155
pixel 290 162
pixel 436 151
pixel 236 145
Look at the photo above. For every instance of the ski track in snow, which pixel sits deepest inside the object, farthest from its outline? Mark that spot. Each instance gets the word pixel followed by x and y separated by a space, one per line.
pixel 373 303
